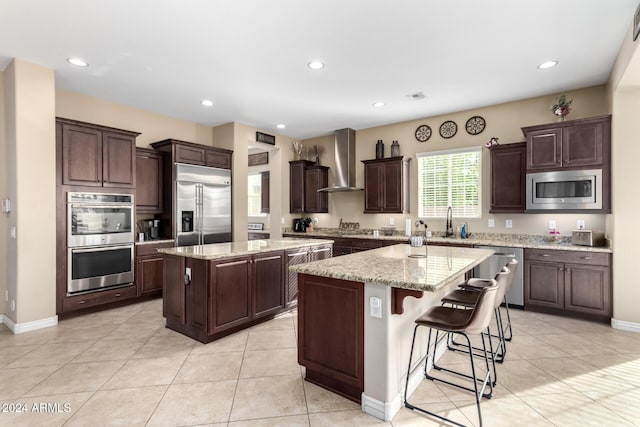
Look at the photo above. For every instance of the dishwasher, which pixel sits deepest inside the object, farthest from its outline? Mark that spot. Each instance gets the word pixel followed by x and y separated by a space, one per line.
pixel 492 266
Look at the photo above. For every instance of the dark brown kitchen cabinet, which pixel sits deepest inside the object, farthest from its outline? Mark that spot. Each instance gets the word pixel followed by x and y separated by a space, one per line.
pixel 264 192
pixel 267 277
pixel 508 171
pixel 568 282
pixel 149 268
pixel 386 185
pixel 229 294
pixel 195 154
pixel 304 181
pixel 148 181
pixel 94 155
pixel 573 144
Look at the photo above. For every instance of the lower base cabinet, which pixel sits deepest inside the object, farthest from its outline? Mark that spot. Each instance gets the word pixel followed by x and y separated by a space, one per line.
pixel 149 268
pixel 568 282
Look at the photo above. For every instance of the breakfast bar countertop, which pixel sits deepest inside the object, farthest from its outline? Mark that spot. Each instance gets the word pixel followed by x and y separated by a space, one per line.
pixel 241 248
pixel 394 266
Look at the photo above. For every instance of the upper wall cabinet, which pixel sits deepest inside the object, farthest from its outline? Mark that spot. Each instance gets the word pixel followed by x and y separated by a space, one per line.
pixel 195 154
pixel 508 178
pixel 94 155
pixel 304 181
pixel 574 144
pixel 148 181
pixel 386 185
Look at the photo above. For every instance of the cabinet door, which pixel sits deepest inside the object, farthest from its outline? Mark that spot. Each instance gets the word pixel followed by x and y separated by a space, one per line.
pixel 582 145
pixel 196 296
pixel 149 274
pixel 118 160
pixel 268 284
pixel 588 289
pixel 544 149
pixel 544 284
pixel 230 294
pixel 296 186
pixel 173 290
pixel 81 156
pixel 218 159
pixel 392 188
pixel 190 155
pixel 315 202
pixel 264 192
pixel 148 182
pixel 508 178
pixel 373 181
pixel 294 257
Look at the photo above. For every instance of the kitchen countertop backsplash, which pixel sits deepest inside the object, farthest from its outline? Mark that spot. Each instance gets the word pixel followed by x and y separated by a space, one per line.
pixel 533 241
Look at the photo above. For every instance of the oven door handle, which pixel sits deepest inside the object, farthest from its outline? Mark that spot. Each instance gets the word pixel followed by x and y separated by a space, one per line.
pixel 108 206
pixel 101 248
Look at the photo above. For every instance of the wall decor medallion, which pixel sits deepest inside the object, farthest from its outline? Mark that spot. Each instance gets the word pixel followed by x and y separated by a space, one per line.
pixel 423 133
pixel 475 125
pixel 448 129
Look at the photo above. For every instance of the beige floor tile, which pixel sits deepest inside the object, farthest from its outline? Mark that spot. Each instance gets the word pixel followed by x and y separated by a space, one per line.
pixel 210 367
pixel 76 377
pixel 504 412
pixel 146 372
pixel 264 340
pixel 624 404
pixel 267 363
pixel 12 353
pixel 523 378
pixel 427 392
pixel 39 337
pixel 167 346
pixel 564 368
pixel 575 345
pixel 109 350
pixel 128 407
pixel 321 400
pixel 268 397
pixel 292 421
pixel 529 326
pixel 51 354
pixel 139 332
pixel 345 419
pixel 16 382
pixel 86 333
pixel 409 418
pixel 235 342
pixel 532 347
pixel 47 411
pixel 621 342
pixel 574 409
pixel 626 366
pixel 197 403
pixel 279 323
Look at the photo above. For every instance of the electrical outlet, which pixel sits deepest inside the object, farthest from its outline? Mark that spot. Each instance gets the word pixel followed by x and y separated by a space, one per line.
pixel 6 295
pixel 392 221
pixel 282 220
pixel 315 221
pixel 375 307
pixel 492 223
pixel 552 224
pixel 12 232
pixel 580 224
pixel 508 223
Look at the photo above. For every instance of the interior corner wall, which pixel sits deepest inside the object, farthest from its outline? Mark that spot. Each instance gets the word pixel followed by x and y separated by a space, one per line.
pixel 30 142
pixel 4 227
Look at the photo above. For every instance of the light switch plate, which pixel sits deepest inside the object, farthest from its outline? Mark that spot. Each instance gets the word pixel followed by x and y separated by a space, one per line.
pixel 492 223
pixel 392 221
pixel 375 307
pixel 552 224
pixel 12 232
pixel 6 205
pixel 508 223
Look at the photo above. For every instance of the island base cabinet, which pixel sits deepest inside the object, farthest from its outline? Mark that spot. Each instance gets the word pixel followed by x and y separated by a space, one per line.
pixel 268 284
pixel 331 334
pixel 229 294
pixel 173 291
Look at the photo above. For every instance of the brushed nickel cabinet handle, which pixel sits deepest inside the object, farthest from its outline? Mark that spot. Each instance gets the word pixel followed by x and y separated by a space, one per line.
pixel 117 295
pixel 586 257
pixel 82 302
pixel 544 255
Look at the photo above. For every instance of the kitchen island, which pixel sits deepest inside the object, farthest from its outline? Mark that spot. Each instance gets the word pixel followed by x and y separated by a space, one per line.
pixel 356 316
pixel 210 291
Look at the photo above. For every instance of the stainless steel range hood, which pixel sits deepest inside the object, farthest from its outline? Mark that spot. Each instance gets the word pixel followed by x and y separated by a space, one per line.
pixel 345 151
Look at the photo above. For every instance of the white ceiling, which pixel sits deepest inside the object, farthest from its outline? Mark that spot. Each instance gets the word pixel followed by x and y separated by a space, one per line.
pixel 250 56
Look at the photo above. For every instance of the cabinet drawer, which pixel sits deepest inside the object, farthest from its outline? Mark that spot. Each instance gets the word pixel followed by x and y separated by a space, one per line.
pixel 97 298
pixel 574 257
pixel 151 248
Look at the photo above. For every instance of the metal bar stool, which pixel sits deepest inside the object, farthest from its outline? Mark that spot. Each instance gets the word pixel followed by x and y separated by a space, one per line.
pixel 462 322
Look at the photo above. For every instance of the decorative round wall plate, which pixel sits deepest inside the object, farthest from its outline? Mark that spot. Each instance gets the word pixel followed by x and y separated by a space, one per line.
pixel 423 133
pixel 448 129
pixel 475 125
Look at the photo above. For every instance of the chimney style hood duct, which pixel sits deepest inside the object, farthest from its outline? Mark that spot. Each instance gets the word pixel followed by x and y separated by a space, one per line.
pixel 345 151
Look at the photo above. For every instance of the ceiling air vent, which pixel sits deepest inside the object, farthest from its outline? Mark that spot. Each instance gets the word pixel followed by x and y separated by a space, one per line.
pixel 416 96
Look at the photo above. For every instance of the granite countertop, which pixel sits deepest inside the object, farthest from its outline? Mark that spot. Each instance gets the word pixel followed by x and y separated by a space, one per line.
pixel 242 248
pixel 155 242
pixel 484 239
pixel 392 266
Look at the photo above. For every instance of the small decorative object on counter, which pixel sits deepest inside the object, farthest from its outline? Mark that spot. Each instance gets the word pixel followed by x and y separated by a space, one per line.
pixel 562 107
pixel 298 150
pixel 554 236
pixel 395 149
pixel 379 150
pixel 492 142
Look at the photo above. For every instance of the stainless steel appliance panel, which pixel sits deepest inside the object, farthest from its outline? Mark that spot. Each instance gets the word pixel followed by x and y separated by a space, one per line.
pixel 564 190
pixel 216 214
pixel 99 267
pixel 492 266
pixel 187 233
pixel 99 219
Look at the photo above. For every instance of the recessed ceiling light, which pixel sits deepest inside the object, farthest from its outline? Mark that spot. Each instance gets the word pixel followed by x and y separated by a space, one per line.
pixel 378 104
pixel 78 62
pixel 207 102
pixel 280 126
pixel 315 65
pixel 547 64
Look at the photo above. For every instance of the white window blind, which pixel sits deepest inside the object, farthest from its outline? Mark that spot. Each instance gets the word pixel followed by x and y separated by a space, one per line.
pixel 450 178
pixel 254 195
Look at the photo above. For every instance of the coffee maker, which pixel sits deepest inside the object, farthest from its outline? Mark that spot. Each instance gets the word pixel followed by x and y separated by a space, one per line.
pixel 151 229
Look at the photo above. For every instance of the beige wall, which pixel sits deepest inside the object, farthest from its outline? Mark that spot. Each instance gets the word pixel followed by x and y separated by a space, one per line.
pixel 3 195
pixel 503 121
pixel 624 89
pixel 30 139
pixel 153 127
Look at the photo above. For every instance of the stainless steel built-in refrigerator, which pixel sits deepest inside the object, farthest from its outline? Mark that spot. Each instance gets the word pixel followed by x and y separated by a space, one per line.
pixel 203 205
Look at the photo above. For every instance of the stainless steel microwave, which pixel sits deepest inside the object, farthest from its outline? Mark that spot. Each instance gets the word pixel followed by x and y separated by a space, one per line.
pixel 564 190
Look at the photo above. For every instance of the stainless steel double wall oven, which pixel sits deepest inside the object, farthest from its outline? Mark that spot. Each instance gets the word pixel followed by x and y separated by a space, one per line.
pixel 100 241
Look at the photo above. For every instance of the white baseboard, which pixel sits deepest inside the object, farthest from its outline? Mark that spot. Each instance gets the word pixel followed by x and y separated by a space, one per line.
pixel 1 319
pixel 625 326
pixel 20 328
